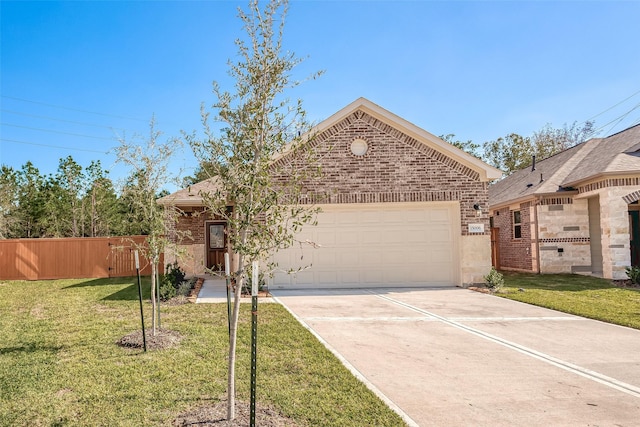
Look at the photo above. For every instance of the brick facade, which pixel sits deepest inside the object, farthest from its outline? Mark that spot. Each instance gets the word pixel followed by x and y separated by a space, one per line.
pixel 515 253
pixel 396 168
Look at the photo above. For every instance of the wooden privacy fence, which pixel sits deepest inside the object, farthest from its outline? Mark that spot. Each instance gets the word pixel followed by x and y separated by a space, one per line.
pixel 71 258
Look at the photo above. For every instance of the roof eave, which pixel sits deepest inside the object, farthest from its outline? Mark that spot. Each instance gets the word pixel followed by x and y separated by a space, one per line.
pixel 532 196
pixel 594 177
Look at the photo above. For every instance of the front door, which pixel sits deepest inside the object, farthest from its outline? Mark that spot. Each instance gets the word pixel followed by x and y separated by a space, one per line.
pixel 216 245
pixel 634 232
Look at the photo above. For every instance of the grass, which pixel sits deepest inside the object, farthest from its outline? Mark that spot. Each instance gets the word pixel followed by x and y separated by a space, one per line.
pixel 585 296
pixel 59 364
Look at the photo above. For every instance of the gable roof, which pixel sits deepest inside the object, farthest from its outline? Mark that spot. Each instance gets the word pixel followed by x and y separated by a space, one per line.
pixel 485 171
pixel 561 172
pixel 190 196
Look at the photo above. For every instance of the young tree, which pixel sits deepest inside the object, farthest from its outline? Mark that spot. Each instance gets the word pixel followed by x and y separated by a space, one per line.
pixel 258 123
pixel 149 172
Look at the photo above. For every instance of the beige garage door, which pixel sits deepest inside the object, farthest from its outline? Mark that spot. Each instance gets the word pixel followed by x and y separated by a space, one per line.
pixel 403 244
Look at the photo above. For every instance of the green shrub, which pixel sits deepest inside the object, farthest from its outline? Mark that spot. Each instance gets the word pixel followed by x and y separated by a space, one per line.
pixel 174 274
pixel 495 280
pixel 185 287
pixel 246 288
pixel 167 291
pixel 633 273
pixel 171 281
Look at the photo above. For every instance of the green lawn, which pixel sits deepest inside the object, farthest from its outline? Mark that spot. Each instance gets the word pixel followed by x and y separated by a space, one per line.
pixel 582 295
pixel 59 364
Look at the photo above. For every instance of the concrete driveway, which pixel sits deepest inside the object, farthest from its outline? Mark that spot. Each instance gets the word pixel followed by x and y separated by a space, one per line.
pixel 454 357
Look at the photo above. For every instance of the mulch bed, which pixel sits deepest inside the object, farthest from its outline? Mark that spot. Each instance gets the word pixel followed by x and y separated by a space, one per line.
pixel 625 284
pixel 164 338
pixel 216 415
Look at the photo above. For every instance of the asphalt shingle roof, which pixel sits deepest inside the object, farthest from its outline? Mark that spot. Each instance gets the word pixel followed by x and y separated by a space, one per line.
pixel 614 154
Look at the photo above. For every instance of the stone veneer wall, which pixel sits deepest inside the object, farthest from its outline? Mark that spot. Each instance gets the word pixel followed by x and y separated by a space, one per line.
pixel 564 237
pixel 614 220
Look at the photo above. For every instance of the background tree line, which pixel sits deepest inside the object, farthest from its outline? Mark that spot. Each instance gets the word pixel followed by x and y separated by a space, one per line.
pixel 84 202
pixel 514 152
pixel 73 202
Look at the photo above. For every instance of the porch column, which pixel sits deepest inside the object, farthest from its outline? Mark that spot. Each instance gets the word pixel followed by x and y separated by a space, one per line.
pixel 614 221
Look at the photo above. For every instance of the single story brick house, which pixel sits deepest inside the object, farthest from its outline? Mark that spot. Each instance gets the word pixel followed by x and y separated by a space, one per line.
pixel 574 212
pixel 400 207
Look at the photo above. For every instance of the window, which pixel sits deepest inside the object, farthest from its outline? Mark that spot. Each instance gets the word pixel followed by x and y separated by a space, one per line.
pixel 517 225
pixel 216 236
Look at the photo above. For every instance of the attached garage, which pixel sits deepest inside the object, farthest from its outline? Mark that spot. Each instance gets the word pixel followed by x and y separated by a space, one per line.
pixel 399 244
pixel 400 207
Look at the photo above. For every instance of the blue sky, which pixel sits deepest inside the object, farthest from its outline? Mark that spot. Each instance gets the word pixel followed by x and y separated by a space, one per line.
pixel 75 74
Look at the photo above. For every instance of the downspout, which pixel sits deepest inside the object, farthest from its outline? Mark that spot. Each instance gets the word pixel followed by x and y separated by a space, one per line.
pixel 535 219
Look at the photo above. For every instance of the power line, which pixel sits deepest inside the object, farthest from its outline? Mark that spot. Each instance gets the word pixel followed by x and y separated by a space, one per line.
pixel 73 109
pixel 616 121
pixel 611 108
pixel 55 131
pixel 60 120
pixel 51 146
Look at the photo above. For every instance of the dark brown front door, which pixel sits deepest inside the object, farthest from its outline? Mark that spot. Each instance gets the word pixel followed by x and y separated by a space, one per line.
pixel 216 245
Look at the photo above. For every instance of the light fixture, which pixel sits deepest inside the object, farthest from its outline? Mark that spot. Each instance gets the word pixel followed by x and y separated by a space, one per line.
pixel 478 209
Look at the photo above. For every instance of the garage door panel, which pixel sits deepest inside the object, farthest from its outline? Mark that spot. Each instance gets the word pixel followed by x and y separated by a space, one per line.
pixel 441 215
pixel 377 245
pixel 326 238
pixel 346 238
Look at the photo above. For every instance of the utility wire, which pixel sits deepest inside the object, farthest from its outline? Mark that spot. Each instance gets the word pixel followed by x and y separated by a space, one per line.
pixel 611 108
pixel 60 120
pixel 55 131
pixel 51 146
pixel 618 119
pixel 73 109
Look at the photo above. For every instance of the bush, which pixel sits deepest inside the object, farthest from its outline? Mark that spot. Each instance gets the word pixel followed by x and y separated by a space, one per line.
pixel 495 280
pixel 633 273
pixel 167 291
pixel 246 288
pixel 171 281
pixel 185 287
pixel 174 274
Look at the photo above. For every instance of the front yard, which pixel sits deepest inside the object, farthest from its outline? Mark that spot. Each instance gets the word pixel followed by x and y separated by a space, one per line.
pixel 60 365
pixel 582 295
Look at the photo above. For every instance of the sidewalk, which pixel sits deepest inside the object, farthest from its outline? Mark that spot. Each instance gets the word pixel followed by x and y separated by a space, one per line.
pixel 214 290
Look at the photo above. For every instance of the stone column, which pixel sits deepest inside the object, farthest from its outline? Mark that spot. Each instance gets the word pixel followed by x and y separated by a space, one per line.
pixel 614 220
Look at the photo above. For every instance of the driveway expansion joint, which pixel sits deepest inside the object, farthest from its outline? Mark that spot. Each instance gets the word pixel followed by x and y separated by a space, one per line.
pixel 567 366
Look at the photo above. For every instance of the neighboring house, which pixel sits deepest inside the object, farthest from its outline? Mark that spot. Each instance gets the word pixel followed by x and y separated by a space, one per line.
pixel 574 212
pixel 400 207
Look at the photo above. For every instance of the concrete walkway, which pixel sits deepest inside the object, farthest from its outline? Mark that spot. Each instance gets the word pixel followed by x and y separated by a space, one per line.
pixel 454 357
pixel 214 290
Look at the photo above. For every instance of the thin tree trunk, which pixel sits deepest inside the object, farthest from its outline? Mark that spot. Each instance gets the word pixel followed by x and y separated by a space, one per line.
pixel 153 296
pixel 231 380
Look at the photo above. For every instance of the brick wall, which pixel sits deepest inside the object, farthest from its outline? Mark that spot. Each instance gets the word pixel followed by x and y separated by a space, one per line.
pixel 396 168
pixel 514 253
